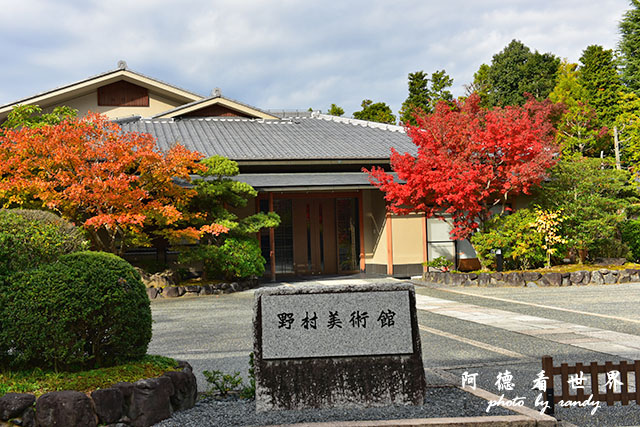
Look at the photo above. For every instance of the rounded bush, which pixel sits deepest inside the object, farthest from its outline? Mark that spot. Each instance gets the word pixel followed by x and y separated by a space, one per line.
pixel 29 238
pixel 88 309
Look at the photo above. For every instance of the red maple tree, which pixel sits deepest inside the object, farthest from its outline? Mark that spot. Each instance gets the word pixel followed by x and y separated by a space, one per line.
pixel 469 160
pixel 115 184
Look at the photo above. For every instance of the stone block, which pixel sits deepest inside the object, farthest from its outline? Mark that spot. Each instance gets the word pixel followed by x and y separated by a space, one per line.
pixel 174 291
pixel 65 408
pixel 150 401
pixel 109 404
pixel 610 278
pixel 552 279
pixel 13 405
pixel 484 279
pixel 577 277
pixel 458 279
pixel 596 278
pixel 531 276
pixel 194 289
pixel 185 389
pixel 566 279
pixel 514 279
pixel 319 346
pixel 152 293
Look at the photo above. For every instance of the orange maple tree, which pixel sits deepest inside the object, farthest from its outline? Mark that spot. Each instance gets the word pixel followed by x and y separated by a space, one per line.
pixel 116 184
pixel 469 160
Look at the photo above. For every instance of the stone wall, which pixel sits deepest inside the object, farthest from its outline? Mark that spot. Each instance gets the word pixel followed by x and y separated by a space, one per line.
pixel 196 290
pixel 139 404
pixel 534 279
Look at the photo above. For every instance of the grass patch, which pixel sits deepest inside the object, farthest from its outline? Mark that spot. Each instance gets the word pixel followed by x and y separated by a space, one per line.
pixel 39 382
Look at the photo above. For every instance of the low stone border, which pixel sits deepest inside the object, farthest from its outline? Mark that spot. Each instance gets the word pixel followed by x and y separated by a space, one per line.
pixel 139 404
pixel 196 290
pixel 534 279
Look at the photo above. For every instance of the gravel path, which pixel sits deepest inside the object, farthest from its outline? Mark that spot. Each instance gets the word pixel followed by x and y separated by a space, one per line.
pixel 440 402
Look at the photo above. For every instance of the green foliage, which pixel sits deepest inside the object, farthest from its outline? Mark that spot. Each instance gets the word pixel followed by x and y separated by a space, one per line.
pixel 378 112
pixel 515 71
pixel 517 237
pixel 631 237
pixel 235 254
pixel 38 381
pixel 440 262
pixel 32 116
pixel 29 238
pixel 221 384
pixel 630 46
pixel 249 390
pixel 580 131
pixel 422 98
pixel 593 197
pixel 627 125
pixel 599 78
pixel 235 258
pixel 334 110
pixel 217 193
pixel 481 84
pixel 88 309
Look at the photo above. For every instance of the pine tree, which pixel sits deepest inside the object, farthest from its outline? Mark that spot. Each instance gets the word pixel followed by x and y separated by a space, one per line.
pixel 599 78
pixel 630 47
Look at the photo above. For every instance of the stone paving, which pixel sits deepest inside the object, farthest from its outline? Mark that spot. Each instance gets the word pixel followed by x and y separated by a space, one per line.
pixel 595 339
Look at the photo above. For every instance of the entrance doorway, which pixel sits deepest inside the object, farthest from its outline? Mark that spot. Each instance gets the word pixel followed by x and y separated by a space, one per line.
pixel 317 236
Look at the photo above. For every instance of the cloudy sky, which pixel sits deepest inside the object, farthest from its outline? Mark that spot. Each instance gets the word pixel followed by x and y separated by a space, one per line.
pixel 285 54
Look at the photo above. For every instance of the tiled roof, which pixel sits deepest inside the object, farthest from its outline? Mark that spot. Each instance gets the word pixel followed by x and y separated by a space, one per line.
pixel 97 76
pixel 310 138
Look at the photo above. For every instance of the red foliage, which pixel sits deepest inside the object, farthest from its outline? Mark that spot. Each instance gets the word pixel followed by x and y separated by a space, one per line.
pixel 469 160
pixel 113 183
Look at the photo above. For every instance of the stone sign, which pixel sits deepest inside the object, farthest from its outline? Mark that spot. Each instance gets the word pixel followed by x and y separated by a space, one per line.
pixel 336 324
pixel 337 346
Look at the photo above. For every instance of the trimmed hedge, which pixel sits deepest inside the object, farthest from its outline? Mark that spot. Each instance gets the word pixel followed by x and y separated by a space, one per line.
pixel 29 238
pixel 88 309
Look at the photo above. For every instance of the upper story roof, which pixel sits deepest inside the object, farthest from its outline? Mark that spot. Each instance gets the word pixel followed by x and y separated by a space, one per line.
pixel 62 94
pixel 319 137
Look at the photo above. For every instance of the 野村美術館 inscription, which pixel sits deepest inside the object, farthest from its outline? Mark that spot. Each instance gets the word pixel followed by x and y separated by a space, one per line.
pixel 336 324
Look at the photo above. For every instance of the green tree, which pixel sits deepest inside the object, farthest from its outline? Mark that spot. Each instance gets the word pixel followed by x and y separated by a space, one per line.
pixel 422 96
pixel 32 116
pixel 593 197
pixel 599 78
pixel 217 195
pixel 630 47
pixel 579 130
pixel 481 84
pixel 334 110
pixel 515 71
pixel 378 112
pixel 627 131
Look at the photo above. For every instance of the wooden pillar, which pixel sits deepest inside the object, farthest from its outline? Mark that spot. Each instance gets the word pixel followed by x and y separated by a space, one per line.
pixel 272 243
pixel 361 228
pixel 425 242
pixel 389 245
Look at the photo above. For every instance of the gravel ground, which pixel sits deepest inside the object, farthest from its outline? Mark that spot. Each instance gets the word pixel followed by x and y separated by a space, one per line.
pixel 440 402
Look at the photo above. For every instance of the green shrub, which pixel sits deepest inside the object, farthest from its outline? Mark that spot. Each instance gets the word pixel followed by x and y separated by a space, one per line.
pixel 631 237
pixel 88 309
pixel 236 258
pixel 29 238
pixel 440 262
pixel 516 236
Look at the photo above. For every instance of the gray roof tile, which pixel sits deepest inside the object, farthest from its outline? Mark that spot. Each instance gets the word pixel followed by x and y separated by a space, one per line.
pixel 311 138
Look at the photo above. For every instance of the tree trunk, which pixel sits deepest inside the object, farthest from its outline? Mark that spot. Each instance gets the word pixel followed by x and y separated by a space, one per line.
pixel 616 146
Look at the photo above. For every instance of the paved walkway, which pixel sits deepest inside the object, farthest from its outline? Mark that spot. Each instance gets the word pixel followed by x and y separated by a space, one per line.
pixel 595 339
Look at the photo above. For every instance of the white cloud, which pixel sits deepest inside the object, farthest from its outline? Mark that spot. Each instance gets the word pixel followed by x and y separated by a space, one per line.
pixel 287 54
